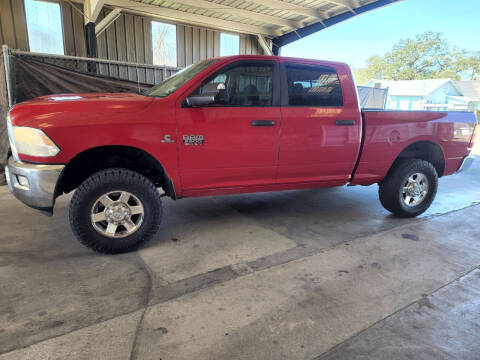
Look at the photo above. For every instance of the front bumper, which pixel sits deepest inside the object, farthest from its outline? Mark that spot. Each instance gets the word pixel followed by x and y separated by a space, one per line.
pixel 33 184
pixel 466 163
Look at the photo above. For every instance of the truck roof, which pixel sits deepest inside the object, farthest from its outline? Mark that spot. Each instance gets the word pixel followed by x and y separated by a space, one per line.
pixel 280 58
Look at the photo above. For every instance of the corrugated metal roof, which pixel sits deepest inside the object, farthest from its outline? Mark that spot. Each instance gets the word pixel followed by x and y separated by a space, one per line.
pixel 271 18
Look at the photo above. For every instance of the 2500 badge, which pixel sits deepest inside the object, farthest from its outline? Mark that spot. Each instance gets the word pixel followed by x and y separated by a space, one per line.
pixel 193 140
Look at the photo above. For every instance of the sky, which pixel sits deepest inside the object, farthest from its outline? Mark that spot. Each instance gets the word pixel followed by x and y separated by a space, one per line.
pixel 375 32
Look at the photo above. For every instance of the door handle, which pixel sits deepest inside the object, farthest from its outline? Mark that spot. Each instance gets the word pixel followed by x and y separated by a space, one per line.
pixel 262 123
pixel 344 122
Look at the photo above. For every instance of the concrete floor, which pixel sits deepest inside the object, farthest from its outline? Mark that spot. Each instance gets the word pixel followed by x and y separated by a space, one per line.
pixel 311 274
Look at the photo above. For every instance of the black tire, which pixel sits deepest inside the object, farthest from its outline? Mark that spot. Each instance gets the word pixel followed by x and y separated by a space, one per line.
pixel 390 189
pixel 104 182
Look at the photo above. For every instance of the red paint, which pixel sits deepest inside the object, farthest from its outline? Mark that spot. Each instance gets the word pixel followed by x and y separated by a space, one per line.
pixel 387 133
pixel 303 149
pixel 312 147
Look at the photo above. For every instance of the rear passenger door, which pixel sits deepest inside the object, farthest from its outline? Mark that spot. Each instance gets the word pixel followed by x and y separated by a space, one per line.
pixel 321 124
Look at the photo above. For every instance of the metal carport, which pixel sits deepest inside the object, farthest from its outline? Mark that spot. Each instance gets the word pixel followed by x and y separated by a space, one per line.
pixel 275 22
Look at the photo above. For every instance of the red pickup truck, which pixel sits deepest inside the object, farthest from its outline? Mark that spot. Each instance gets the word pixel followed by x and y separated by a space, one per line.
pixel 237 124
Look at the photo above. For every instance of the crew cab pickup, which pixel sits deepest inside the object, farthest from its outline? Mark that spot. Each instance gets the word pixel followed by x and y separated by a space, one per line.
pixel 238 124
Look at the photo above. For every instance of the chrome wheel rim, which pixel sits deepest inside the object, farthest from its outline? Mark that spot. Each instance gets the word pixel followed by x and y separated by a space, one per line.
pixel 117 214
pixel 415 189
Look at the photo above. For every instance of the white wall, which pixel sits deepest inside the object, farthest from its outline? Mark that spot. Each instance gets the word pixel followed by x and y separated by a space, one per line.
pixel 439 96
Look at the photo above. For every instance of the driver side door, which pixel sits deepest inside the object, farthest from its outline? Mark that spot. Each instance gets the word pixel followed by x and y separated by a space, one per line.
pixel 233 144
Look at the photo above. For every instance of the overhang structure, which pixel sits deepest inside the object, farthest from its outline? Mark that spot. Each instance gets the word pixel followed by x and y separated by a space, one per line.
pixel 275 22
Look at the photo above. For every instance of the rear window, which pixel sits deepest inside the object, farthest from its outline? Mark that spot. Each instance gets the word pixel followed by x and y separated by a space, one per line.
pixel 313 86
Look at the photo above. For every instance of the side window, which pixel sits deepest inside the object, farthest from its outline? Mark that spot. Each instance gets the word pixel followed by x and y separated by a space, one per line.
pixel 44 26
pixel 229 44
pixel 313 86
pixel 246 84
pixel 164 44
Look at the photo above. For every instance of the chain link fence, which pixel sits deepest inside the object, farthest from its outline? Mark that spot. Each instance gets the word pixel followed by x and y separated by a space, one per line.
pixel 141 73
pixel 4 107
pixel 117 72
pixel 25 75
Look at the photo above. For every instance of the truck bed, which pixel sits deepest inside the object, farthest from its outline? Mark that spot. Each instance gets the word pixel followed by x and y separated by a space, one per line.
pixel 387 133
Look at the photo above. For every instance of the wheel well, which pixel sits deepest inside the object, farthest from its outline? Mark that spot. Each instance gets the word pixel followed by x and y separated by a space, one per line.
pixel 93 160
pixel 424 150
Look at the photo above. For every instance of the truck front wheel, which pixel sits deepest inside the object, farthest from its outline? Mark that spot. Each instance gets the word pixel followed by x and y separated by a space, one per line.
pixel 409 188
pixel 115 211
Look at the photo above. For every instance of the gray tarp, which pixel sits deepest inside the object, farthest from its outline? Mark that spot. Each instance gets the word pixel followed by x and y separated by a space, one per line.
pixel 35 78
pixel 32 78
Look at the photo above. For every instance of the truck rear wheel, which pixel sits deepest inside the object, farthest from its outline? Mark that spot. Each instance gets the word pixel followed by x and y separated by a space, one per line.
pixel 115 211
pixel 409 188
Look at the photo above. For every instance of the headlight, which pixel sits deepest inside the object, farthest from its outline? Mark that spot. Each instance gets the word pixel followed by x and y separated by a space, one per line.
pixel 33 142
pixel 10 137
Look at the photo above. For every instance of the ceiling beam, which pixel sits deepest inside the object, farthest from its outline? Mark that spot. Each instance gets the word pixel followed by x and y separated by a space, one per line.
pixel 107 21
pixel 91 10
pixel 297 9
pixel 252 15
pixel 345 3
pixel 264 44
pixel 295 35
pixel 158 12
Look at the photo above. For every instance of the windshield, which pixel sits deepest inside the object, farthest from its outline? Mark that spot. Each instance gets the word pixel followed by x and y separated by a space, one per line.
pixel 174 82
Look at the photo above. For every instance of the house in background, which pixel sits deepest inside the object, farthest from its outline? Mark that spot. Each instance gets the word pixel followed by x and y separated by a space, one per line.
pixel 471 93
pixel 431 94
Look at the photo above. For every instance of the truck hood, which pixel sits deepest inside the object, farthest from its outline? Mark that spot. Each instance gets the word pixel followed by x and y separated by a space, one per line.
pixel 89 104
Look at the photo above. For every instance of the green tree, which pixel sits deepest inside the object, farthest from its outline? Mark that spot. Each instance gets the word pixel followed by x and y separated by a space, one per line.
pixel 376 68
pixel 468 64
pixel 427 56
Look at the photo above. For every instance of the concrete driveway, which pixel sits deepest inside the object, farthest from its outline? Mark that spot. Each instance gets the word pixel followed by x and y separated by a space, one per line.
pixel 311 274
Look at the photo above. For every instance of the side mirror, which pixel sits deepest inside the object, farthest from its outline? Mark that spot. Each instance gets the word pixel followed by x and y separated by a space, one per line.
pixel 213 93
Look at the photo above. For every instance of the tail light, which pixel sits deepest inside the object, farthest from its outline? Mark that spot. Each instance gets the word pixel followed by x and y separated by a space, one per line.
pixel 474 136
